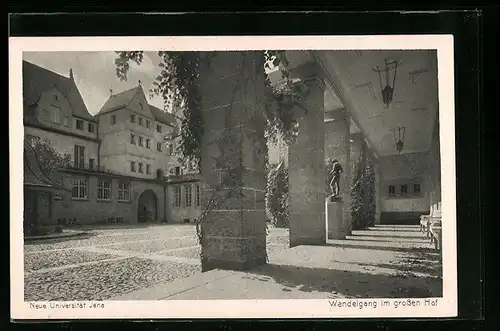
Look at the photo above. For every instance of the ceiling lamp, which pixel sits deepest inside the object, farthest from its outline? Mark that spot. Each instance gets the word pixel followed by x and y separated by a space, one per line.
pixel 388 89
pixel 399 137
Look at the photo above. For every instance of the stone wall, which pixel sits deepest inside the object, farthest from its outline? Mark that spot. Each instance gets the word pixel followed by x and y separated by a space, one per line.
pixel 399 170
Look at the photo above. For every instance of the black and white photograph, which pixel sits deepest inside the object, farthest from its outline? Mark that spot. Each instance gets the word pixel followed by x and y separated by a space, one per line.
pixel 169 176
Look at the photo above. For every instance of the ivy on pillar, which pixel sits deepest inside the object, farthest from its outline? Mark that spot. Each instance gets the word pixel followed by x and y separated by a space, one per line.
pixel 306 164
pixel 233 223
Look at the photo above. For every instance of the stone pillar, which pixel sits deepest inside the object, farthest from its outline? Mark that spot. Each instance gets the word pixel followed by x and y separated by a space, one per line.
pixel 307 165
pixel 357 155
pixel 233 227
pixel 337 146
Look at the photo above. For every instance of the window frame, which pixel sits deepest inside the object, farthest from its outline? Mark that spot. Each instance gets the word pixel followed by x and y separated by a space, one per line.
pixel 79 156
pixel 113 119
pixel 122 190
pixel 177 193
pixel 188 195
pixel 79 187
pixel 197 195
pixel 82 128
pixel 101 189
pixel 132 166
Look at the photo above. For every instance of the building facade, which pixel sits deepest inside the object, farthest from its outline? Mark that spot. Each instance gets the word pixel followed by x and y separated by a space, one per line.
pixel 122 169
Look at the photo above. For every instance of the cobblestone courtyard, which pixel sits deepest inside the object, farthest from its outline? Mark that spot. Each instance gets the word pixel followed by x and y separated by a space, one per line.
pixel 113 262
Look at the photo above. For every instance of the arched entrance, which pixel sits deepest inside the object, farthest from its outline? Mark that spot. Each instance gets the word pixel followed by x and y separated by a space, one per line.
pixel 147 208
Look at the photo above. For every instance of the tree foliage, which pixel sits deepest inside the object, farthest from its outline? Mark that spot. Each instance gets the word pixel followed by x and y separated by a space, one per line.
pixel 50 160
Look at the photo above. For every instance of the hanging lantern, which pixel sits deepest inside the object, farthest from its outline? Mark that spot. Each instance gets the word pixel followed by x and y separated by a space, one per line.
pixel 386 88
pixel 399 137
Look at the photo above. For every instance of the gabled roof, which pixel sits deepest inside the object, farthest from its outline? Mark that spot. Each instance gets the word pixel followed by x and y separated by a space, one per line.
pixel 124 98
pixel 119 100
pixel 37 80
pixel 163 116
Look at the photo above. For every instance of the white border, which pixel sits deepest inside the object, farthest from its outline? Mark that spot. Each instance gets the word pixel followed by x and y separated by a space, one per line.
pixel 447 306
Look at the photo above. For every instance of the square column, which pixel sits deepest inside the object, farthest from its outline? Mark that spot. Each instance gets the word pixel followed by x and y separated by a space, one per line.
pixel 337 146
pixel 307 166
pixel 233 228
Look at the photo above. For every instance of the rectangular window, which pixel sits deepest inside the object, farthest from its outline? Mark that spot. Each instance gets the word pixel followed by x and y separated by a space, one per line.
pixel 392 190
pixel 158 147
pixel 416 188
pixel 91 127
pixel 79 188
pixel 140 121
pixel 147 124
pixel 140 168
pixel 148 169
pixel 140 141
pixel 177 196
pixel 123 191
pixel 132 166
pixel 104 189
pixel 79 154
pixel 158 128
pixel 91 163
pixel 171 149
pixel 132 118
pixel 113 119
pixel 197 192
pixel 148 145
pixel 187 196
pixel 56 116
pixel 404 189
pixel 177 171
pixel 65 121
pixel 45 114
pixel 79 125
pixel 132 139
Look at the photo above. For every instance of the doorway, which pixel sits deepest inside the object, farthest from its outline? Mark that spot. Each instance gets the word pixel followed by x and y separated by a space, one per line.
pixel 147 209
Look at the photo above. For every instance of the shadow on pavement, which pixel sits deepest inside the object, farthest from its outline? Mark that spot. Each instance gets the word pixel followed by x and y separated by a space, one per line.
pixel 349 284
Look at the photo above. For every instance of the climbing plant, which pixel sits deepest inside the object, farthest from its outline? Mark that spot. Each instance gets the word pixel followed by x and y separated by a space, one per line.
pixel 278 195
pixel 363 195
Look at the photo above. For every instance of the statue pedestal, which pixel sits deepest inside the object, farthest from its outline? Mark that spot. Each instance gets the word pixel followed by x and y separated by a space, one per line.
pixel 335 227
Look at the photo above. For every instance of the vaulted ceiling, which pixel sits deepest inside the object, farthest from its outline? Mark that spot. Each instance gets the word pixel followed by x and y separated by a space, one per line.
pixel 353 84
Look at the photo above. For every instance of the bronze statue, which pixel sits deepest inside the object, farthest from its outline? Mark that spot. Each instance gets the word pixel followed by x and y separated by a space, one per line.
pixel 334 183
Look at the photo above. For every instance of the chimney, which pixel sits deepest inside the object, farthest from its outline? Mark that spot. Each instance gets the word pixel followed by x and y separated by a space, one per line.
pixel 71 74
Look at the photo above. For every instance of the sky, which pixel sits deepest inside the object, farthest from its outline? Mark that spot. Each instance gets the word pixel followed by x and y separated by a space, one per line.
pixel 95 73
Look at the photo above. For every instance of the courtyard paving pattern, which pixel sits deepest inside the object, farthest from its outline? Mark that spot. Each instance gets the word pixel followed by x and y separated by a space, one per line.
pixel 114 262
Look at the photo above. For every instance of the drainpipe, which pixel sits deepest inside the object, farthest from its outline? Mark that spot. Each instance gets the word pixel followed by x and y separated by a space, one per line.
pixel 98 147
